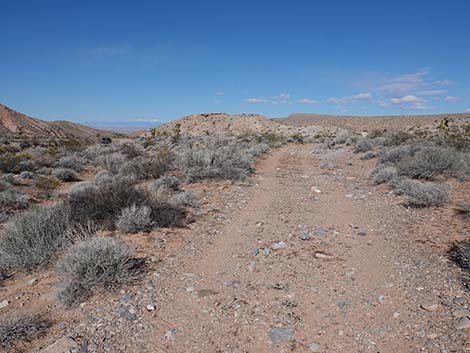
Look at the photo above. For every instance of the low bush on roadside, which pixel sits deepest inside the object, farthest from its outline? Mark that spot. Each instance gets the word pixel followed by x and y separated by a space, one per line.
pixel 215 158
pixel 395 154
pixel 151 167
pixel 97 263
pixel 383 175
pixel 17 328
pixel 64 174
pixel 135 219
pixel 423 194
pixel 31 239
pixel 112 162
pixel 431 162
pixel 363 145
pixel 166 182
pixel 46 184
pixel 11 199
pixel 460 255
pixel 102 204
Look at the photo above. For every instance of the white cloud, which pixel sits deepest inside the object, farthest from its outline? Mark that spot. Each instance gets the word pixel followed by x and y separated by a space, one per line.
pixel 147 120
pixel 419 106
pixel 220 93
pixel 284 96
pixel 451 99
pixel 361 97
pixel 407 99
pixel 432 92
pixel 254 100
pixel 334 100
pixel 308 101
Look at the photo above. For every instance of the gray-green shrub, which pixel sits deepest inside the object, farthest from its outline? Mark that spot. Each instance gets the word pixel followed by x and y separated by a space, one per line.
pixel 97 263
pixel 135 219
pixel 18 328
pixel 363 145
pixel 424 194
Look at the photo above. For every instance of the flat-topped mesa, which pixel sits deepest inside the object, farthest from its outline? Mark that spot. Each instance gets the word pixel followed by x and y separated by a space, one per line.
pixel 219 123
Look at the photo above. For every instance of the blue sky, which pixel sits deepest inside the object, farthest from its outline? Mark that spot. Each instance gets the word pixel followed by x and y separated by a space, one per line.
pixel 140 62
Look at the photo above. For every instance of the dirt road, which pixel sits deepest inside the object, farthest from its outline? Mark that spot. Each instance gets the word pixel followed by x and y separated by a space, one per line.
pixel 307 256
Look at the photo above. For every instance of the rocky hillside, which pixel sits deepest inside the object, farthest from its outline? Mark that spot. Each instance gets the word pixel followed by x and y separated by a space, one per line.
pixel 15 124
pixel 219 123
pixel 367 122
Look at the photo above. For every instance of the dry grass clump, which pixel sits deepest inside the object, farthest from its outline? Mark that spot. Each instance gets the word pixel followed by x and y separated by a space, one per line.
pixel 31 239
pixel 135 219
pixel 364 145
pixel 97 263
pixel 423 194
pixel 383 175
pixel 64 174
pixel 460 254
pixel 18 328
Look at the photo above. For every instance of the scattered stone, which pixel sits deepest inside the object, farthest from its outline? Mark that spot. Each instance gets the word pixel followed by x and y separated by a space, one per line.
pixel 429 306
pixel 151 307
pixel 280 334
pixel 362 232
pixel 266 251
pixel 126 314
pixel 464 323
pixel 305 236
pixel 254 252
pixel 206 292
pixel 252 266
pixel 432 336
pixel 170 335
pixel 421 333
pixel 460 313
pixel 314 189
pixel 4 304
pixel 32 281
pixel 279 245
pixel 459 300
pixel 344 305
pixel 321 232
pixel 64 345
pixel 387 285
pixel 315 347
pixel 320 255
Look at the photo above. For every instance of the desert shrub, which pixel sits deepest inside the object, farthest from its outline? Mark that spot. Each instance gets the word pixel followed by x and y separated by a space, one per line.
pixel 9 162
pixel 383 175
pixel 166 182
pixel 31 239
pixel 215 158
pixel 18 328
pixel 430 162
pixel 27 165
pixel 258 149
pixel 424 194
pixel 185 199
pixel 364 145
pixel 397 138
pixel 369 155
pixel 131 150
pixel 11 199
pixel 44 171
pixel 3 218
pixel 464 210
pixel 135 219
pixel 460 255
pixel 148 167
pixel 102 203
pixel 64 174
pixel 27 175
pixel 396 154
pixel 341 137
pixel 103 177
pixel 4 185
pixel 92 264
pixel 8 178
pixel 70 162
pixel 112 162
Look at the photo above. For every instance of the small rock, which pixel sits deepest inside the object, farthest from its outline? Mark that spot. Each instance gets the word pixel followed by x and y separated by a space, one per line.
pixel 315 347
pixel 280 334
pixel 252 266
pixel 266 252
pixel 254 252
pixel 206 292
pixel 64 345
pixel 305 236
pixel 32 281
pixel 4 304
pixel 460 313
pixel 362 232
pixel 432 336
pixel 459 300
pixel 314 189
pixel 128 315
pixel 321 232
pixel 279 245
pixel 320 255
pixel 151 307
pixel 170 335
pixel 464 323
pixel 429 306
pixel 421 333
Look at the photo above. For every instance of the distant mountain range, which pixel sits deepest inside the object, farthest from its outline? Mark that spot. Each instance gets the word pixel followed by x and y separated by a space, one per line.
pixel 15 124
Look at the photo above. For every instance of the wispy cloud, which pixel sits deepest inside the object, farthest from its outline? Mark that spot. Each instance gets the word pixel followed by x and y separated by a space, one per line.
pixel 146 120
pixel 282 98
pixel 308 101
pixel 407 99
pixel 220 93
pixel 432 92
pixel 451 99
pixel 361 97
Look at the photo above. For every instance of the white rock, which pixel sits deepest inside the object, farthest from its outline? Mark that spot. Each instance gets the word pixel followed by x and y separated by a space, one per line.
pixel 279 245
pixel 4 304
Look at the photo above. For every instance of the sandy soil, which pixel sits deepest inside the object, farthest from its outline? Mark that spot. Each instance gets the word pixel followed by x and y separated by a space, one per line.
pixel 306 256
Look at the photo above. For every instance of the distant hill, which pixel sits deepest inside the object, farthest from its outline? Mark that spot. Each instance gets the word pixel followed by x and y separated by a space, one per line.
pixel 15 124
pixel 219 123
pixel 367 122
